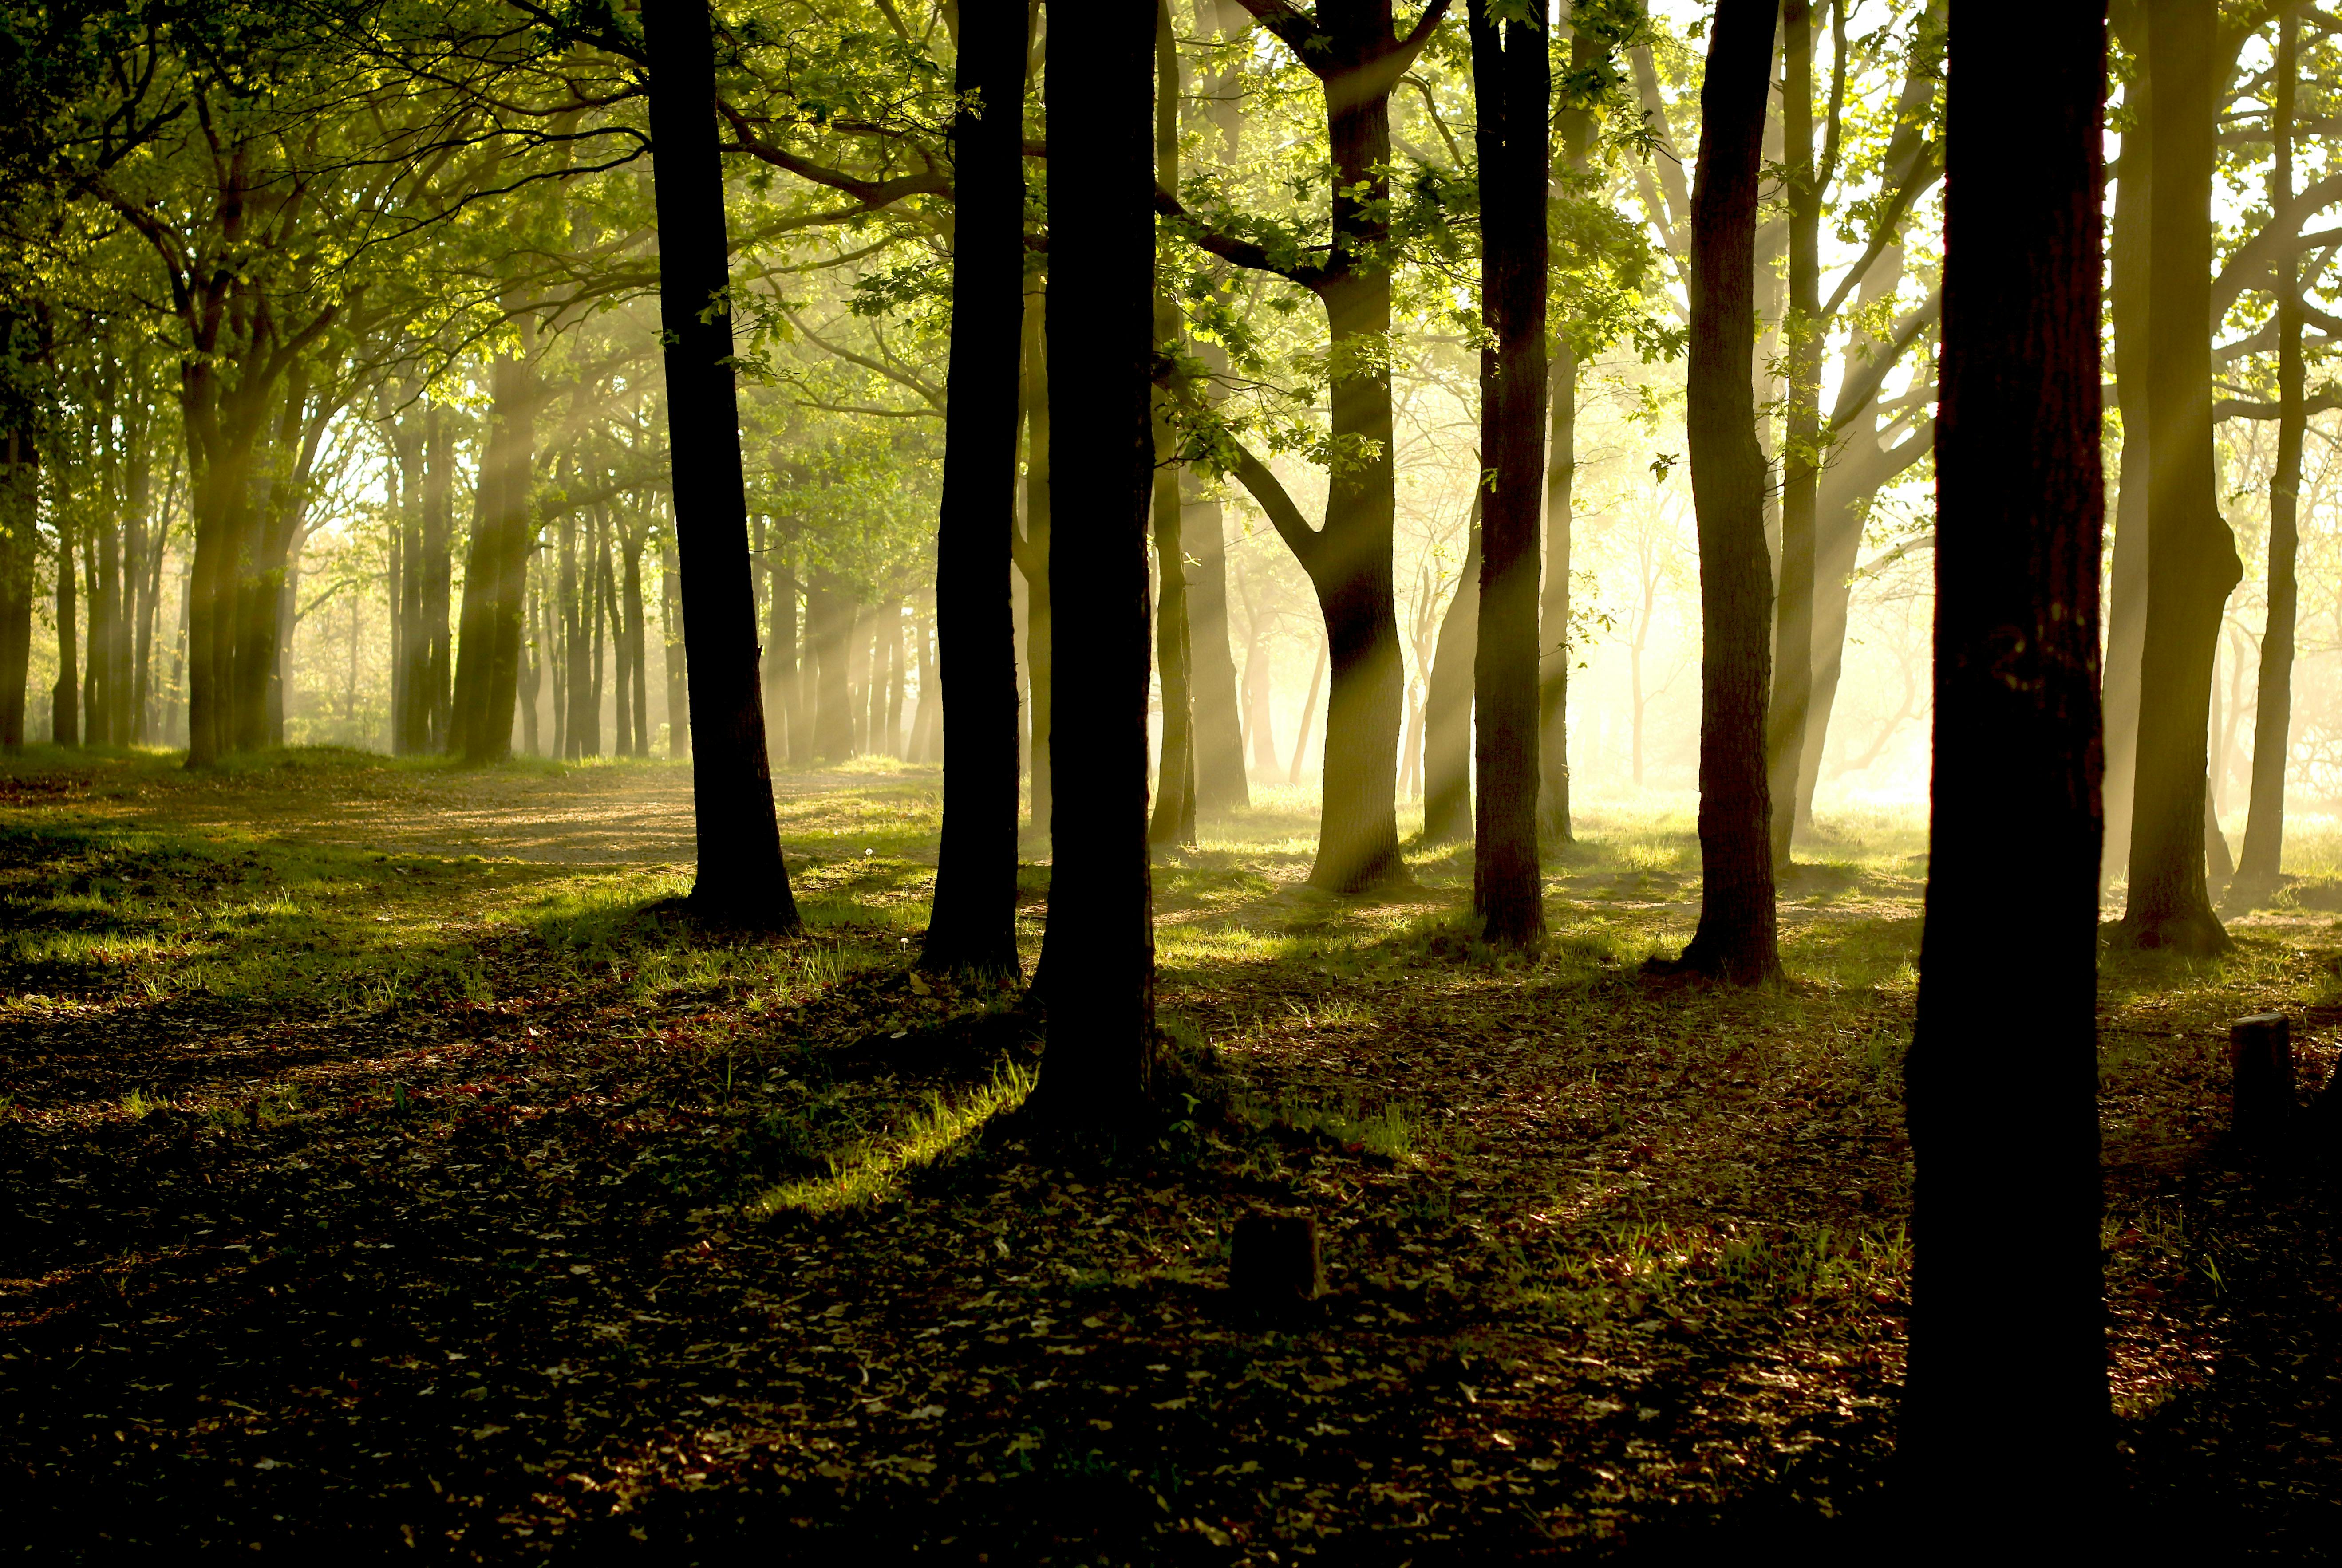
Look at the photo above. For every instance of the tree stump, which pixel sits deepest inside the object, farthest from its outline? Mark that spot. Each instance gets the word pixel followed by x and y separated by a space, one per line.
pixel 1276 1261
pixel 2260 1061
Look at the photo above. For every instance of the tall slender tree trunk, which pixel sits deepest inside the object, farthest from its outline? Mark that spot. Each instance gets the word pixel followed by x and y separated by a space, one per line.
pixel 1554 643
pixel 2259 864
pixel 1033 549
pixel 679 705
pixel 64 694
pixel 1512 85
pixel 740 875
pixel 1448 813
pixel 2191 555
pixel 972 928
pixel 1174 819
pixel 638 742
pixel 1307 723
pixel 2007 1183
pixel 1736 938
pixel 2126 308
pixel 1792 625
pixel 1100 971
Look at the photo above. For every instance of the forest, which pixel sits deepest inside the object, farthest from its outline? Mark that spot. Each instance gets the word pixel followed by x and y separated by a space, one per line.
pixel 1661 860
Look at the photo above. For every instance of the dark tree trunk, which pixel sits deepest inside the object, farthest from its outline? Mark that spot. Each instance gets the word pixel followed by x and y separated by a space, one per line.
pixel 19 511
pixel 1793 626
pixel 1447 704
pixel 2191 556
pixel 740 876
pixel 972 928
pixel 1513 86
pixel 2008 1181
pixel 1736 939
pixel 1100 985
pixel 2259 864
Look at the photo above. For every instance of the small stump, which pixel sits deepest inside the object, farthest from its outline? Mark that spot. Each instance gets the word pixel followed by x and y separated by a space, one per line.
pixel 2260 1059
pixel 1276 1262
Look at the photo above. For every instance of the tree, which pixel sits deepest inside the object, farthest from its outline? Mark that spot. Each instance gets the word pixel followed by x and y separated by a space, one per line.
pixel 740 875
pixel 973 929
pixel 1358 56
pixel 1447 701
pixel 2191 556
pixel 1101 339
pixel 1512 85
pixel 1807 174
pixel 1736 939
pixel 2258 865
pixel 2007 1172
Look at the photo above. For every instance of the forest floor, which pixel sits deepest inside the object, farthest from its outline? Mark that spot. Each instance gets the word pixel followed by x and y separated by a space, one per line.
pixel 384 1169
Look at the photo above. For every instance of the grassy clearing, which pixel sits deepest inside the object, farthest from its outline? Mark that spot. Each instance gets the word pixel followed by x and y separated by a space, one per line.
pixel 609 1228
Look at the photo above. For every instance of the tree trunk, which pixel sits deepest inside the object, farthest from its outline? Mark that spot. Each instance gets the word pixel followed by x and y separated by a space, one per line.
pixel 2191 556
pixel 678 707
pixel 2008 1184
pixel 1555 644
pixel 631 651
pixel 1447 814
pixel 1513 85
pixel 1100 985
pixel 487 657
pixel 2260 863
pixel 2127 307
pixel 577 676
pixel 65 696
pixel 1793 634
pixel 1173 822
pixel 1033 549
pixel 780 656
pixel 740 875
pixel 972 928
pixel 1736 939
pixel 1220 782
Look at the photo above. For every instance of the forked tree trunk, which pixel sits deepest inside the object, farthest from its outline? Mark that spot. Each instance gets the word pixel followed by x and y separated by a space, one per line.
pixel 2191 556
pixel 1100 966
pixel 740 875
pixel 1736 939
pixel 2007 1183
pixel 2259 862
pixel 1512 85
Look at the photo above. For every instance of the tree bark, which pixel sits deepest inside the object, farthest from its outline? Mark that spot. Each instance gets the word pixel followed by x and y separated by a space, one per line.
pixel 64 692
pixel 972 928
pixel 1100 982
pixel 1736 939
pixel 1512 77
pixel 1793 622
pixel 740 877
pixel 19 515
pixel 677 667
pixel 1447 704
pixel 1033 547
pixel 2007 1183
pixel 2191 556
pixel 2127 293
pixel 2259 864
